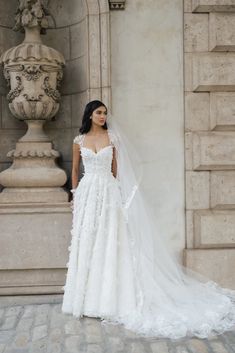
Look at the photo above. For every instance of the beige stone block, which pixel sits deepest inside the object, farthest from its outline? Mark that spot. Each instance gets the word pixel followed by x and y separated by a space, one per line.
pixel 58 39
pixel 213 151
pixel 213 72
pixel 79 39
pixel 106 97
pixel 188 69
pixel 94 93
pixel 222 31
pixel 76 76
pixel 94 52
pixel 45 247
pixel 63 118
pixel 79 102
pixel 105 49
pixel 223 189
pixel 189 229
pixel 189 151
pixel 214 229
pixel 197 111
pixel 8 119
pixel 215 264
pixel 197 190
pixel 195 32
pixel 32 281
pixel 213 5
pixel 67 13
pixel 8 139
pixel 222 111
pixel 187 5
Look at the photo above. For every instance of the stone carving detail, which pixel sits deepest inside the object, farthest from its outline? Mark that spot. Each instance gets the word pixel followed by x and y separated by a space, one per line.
pixel 16 91
pixel 50 92
pixel 117 5
pixel 33 72
pixel 31 13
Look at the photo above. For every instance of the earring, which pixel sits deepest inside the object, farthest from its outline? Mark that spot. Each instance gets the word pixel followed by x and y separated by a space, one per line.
pixel 90 117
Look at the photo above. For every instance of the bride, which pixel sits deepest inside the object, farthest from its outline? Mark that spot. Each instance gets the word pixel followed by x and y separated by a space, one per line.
pixel 119 269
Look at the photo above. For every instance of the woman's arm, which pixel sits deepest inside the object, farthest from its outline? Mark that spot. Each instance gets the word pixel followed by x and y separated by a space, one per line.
pixel 114 163
pixel 75 166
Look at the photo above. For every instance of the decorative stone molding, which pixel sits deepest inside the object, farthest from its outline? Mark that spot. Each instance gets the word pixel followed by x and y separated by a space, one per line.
pixel 117 5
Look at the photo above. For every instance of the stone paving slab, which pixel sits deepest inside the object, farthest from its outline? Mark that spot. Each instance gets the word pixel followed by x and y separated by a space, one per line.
pixel 43 328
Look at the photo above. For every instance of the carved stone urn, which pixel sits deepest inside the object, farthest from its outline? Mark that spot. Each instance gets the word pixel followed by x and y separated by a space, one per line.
pixel 33 72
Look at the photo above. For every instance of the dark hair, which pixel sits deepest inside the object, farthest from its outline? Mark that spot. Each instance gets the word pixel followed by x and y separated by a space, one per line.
pixel 86 121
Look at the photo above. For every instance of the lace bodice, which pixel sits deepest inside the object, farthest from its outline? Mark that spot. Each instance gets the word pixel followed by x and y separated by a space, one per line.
pixel 96 162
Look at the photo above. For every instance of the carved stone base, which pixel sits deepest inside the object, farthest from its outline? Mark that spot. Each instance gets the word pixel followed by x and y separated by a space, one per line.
pixel 19 195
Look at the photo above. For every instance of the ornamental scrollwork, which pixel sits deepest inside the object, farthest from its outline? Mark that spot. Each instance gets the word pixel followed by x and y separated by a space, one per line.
pixel 16 91
pixel 49 91
pixel 32 72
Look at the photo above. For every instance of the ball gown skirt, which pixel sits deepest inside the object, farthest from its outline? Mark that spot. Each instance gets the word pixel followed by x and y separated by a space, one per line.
pixel 101 278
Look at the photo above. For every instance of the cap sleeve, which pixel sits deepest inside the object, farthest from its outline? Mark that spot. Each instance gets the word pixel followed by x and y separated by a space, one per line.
pixel 78 139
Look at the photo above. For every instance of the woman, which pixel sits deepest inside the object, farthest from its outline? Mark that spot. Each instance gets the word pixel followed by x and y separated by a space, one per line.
pixel 119 269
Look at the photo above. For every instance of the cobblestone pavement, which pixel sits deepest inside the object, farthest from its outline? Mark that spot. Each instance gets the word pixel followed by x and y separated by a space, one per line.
pixel 42 328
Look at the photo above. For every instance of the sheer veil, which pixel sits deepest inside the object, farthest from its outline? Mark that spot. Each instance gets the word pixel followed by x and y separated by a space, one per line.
pixel 173 301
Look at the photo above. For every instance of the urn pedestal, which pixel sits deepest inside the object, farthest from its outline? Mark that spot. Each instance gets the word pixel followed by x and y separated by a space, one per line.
pixel 35 215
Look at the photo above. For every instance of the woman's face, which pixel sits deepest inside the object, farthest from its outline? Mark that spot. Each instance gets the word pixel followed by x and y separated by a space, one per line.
pixel 99 116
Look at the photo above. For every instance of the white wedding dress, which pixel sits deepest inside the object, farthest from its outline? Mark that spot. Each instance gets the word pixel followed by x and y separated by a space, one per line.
pixel 104 281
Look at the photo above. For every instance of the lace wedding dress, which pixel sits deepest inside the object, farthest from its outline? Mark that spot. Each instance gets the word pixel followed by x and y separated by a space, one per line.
pixel 106 279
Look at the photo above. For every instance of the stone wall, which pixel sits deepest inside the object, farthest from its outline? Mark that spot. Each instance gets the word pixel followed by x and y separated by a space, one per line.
pixel 147 99
pixel 209 44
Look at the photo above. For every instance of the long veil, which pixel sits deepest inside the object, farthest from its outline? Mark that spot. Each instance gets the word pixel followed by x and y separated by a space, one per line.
pixel 173 301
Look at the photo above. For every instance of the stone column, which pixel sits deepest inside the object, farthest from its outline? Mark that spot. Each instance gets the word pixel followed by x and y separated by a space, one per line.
pixel 33 72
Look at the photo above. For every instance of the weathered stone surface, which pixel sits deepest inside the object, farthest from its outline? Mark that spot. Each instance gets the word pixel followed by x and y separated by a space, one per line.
pixel 8 38
pixel 62 119
pixel 187 6
pixel 23 249
pixel 222 31
pixel 79 44
pixel 8 119
pixel 189 229
pixel 79 102
pixel 189 151
pixel 213 5
pixel 8 139
pixel 75 76
pixel 197 111
pixel 222 111
pixel 62 141
pixel 213 151
pixel 67 13
pixel 197 190
pixel 59 39
pixel 216 264
pixel 197 345
pixel 213 72
pixel 214 229
pixel 7 12
pixel 223 189
pixel 195 32
pixel 94 53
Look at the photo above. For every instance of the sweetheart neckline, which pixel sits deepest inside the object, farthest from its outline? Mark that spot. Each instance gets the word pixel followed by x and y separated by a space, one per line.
pixel 89 149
